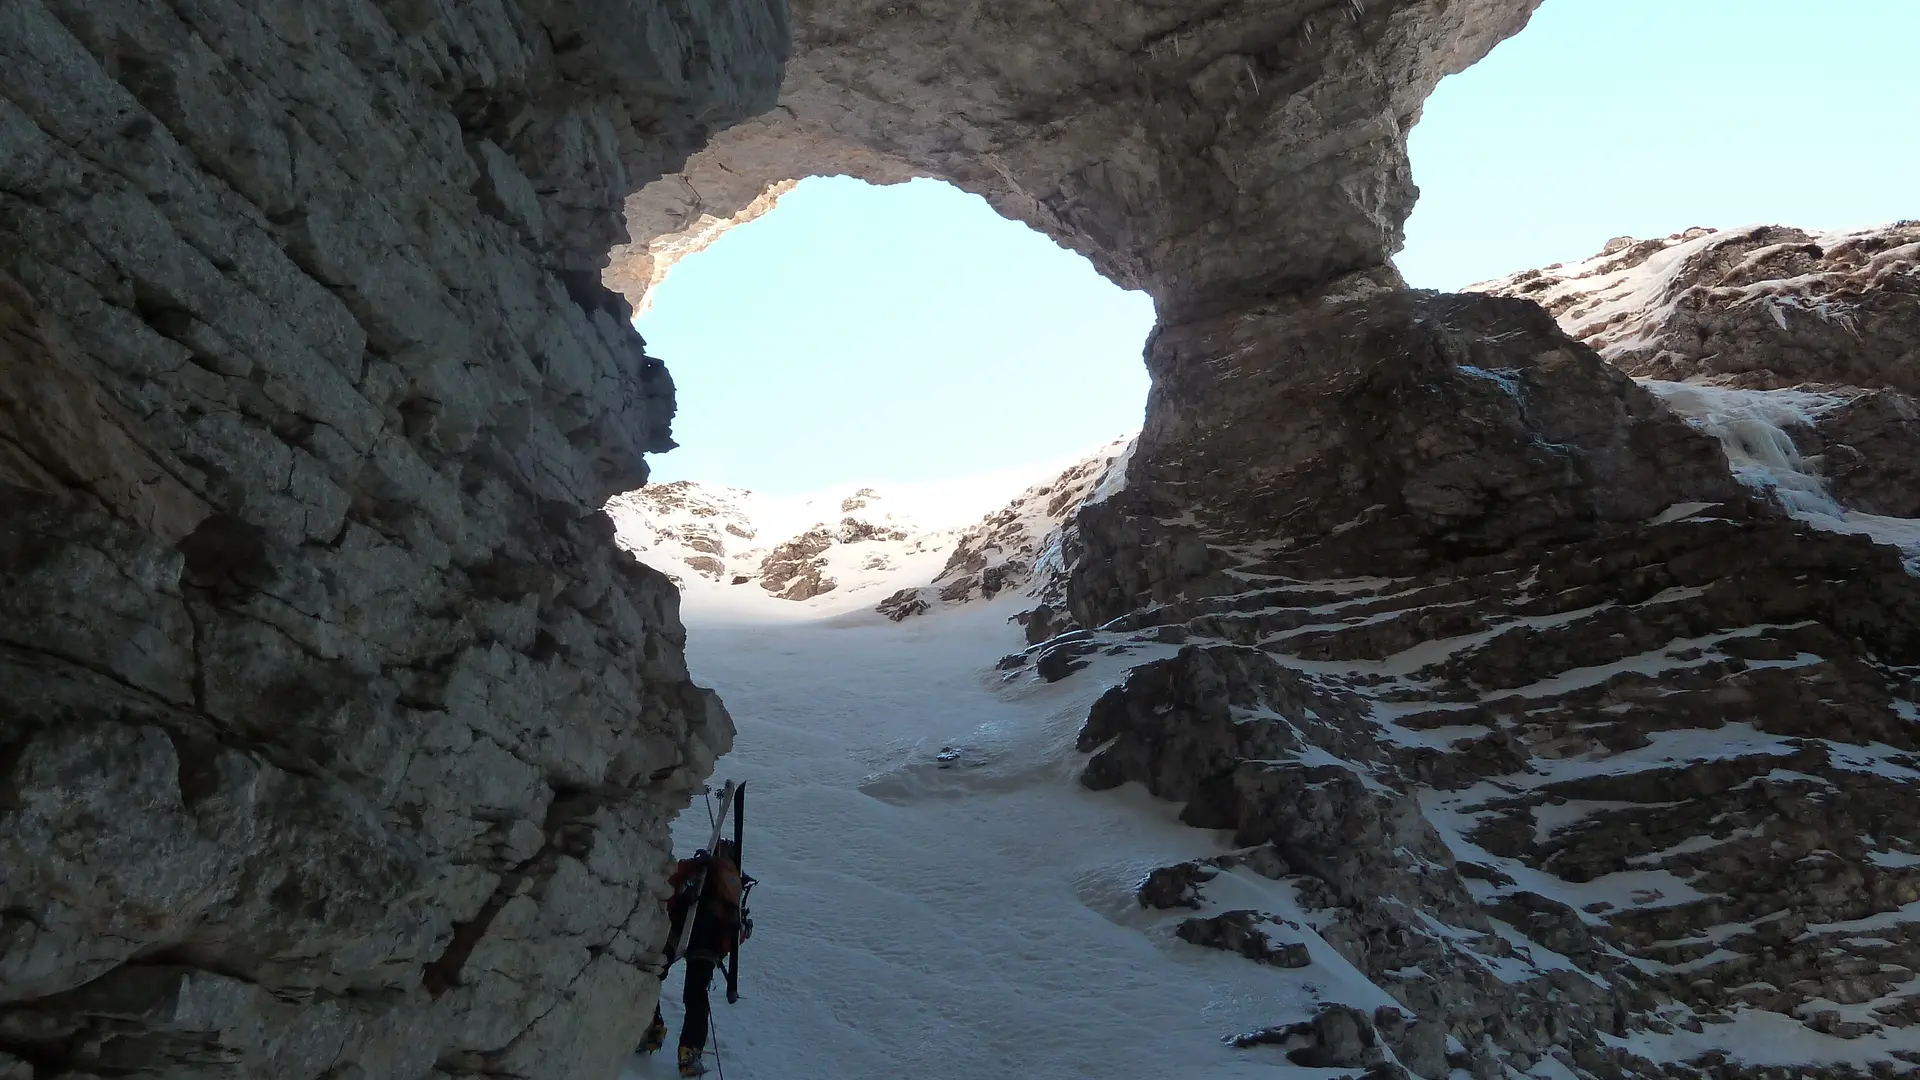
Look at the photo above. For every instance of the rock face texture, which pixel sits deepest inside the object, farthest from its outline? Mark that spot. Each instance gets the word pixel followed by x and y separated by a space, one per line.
pixel 1209 153
pixel 1559 704
pixel 337 737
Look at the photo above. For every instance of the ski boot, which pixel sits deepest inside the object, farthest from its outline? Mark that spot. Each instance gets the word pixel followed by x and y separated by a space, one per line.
pixel 655 1036
pixel 690 1063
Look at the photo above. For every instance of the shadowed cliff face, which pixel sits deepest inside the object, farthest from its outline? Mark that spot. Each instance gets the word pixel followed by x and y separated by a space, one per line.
pixel 336 735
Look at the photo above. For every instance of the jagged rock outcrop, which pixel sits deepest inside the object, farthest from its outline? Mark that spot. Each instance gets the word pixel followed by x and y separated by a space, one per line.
pixel 1254 935
pixel 1563 738
pixel 1869 451
pixel 793 570
pixel 337 737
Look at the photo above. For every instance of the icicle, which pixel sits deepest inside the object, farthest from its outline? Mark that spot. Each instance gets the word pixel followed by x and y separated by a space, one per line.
pixel 1752 428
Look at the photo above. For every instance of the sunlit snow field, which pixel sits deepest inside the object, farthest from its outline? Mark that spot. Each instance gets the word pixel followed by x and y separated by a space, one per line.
pixel 960 922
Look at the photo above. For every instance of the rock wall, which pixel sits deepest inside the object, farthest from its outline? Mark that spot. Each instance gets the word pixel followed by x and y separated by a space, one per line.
pixel 1591 758
pixel 337 737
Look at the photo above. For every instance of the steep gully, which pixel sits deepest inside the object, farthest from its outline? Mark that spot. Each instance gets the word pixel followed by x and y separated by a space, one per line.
pixel 339 739
pixel 1633 799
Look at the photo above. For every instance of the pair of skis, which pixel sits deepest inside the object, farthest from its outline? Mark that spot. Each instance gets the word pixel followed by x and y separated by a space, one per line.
pixel 733 796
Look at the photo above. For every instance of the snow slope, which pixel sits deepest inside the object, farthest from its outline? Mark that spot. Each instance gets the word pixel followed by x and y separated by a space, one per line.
pixel 958 919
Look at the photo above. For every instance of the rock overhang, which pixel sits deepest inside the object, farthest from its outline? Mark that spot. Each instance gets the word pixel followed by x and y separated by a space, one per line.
pixel 1212 155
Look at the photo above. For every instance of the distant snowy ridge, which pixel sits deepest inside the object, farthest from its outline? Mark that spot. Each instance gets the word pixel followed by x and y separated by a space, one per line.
pixel 792 549
pixel 1014 546
pixel 1768 304
pixel 920 546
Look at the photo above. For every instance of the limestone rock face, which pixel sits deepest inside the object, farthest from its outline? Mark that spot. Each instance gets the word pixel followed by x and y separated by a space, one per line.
pixel 1208 153
pixel 337 737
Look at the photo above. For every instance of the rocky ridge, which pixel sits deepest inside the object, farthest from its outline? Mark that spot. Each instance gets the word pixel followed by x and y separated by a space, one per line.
pixel 1762 307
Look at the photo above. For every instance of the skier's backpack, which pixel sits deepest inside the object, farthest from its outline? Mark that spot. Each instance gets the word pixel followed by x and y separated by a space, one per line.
pixel 686 882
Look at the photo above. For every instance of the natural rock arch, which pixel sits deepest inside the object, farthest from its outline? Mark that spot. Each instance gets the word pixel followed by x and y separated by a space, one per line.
pixel 336 736
pixel 1211 154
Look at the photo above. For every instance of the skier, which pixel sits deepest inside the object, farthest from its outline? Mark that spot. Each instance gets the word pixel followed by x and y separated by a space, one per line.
pixel 718 929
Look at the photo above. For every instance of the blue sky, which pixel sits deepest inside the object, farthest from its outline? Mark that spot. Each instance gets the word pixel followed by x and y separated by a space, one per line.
pixel 909 333
pixel 902 333
pixel 1645 117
